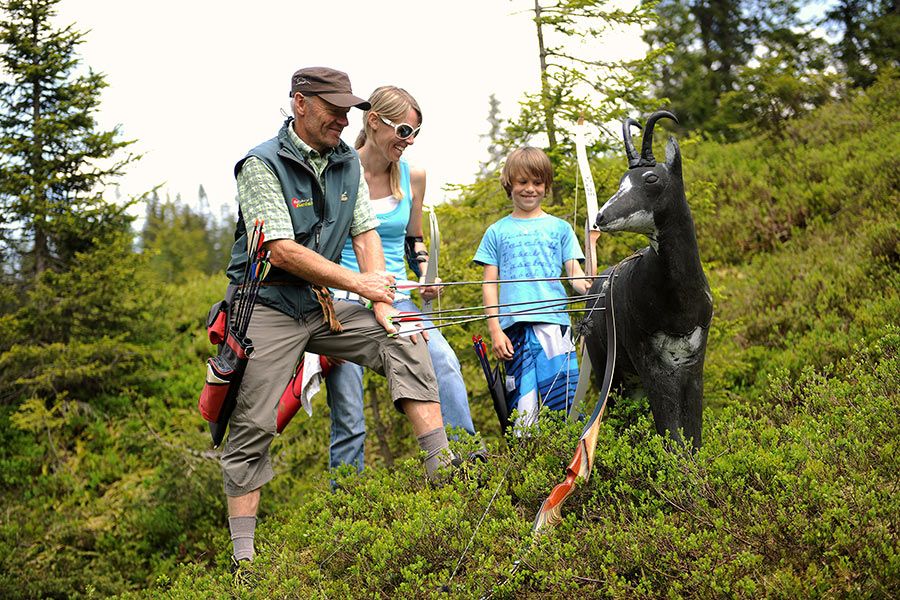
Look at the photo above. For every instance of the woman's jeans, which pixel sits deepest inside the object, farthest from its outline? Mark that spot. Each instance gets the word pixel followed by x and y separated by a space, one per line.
pixel 345 397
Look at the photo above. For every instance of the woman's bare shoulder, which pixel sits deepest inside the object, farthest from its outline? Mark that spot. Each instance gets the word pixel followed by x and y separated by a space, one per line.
pixel 416 174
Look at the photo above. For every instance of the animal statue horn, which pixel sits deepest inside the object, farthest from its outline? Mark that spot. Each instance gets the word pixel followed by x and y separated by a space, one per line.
pixel 647 158
pixel 634 159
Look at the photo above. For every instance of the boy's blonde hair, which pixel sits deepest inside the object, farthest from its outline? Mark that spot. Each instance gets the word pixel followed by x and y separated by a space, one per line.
pixel 528 162
pixel 392 103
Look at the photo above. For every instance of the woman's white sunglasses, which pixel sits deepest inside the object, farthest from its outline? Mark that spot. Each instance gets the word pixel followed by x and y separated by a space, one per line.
pixel 402 130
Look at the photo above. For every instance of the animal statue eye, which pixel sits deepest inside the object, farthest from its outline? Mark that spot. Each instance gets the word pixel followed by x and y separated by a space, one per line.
pixel 651 178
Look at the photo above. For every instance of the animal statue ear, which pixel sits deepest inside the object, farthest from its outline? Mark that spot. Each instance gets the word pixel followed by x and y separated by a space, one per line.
pixel 673 157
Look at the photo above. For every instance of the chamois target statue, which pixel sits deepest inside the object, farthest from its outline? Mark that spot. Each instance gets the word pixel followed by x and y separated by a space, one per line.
pixel 662 302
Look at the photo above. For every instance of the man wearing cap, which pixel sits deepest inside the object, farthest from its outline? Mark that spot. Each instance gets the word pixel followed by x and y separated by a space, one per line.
pixel 308 188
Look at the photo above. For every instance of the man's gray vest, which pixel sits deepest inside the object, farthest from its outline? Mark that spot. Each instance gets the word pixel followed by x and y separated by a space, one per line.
pixel 321 218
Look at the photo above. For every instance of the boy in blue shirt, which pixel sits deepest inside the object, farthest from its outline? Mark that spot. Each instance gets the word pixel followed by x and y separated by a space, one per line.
pixel 540 358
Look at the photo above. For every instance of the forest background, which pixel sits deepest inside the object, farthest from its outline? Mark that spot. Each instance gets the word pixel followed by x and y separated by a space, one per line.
pixel 109 486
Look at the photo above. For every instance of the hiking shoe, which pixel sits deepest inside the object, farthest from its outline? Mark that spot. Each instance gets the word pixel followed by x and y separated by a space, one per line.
pixel 479 455
pixel 242 572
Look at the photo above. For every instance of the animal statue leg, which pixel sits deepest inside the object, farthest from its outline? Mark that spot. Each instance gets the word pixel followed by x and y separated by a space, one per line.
pixel 677 406
pixel 666 415
pixel 692 408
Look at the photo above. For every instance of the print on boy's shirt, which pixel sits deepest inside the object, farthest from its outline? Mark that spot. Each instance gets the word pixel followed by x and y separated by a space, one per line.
pixel 529 254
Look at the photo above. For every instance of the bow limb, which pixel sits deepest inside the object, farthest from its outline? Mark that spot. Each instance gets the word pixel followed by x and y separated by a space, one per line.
pixel 591 234
pixel 590 198
pixel 582 463
pixel 431 270
pixel 584 382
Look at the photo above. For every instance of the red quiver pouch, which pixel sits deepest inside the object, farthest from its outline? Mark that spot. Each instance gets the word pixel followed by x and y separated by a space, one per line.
pixel 217 322
pixel 223 378
pixel 217 319
pixel 292 398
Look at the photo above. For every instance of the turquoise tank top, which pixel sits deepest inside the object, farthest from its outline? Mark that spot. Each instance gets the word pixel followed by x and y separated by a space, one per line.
pixel 392 231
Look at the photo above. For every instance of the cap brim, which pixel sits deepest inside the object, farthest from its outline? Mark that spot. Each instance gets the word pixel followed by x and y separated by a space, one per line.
pixel 346 101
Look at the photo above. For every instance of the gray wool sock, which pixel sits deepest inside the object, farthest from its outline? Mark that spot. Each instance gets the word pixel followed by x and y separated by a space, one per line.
pixel 437 449
pixel 242 530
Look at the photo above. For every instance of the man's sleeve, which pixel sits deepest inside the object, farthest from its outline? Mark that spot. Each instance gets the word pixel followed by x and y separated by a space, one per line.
pixel 364 217
pixel 487 249
pixel 260 198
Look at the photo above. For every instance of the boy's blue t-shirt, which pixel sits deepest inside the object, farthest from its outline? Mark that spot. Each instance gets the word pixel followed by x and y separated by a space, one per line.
pixel 530 249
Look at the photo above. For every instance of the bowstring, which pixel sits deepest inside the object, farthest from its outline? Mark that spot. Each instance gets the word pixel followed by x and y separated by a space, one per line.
pixel 575 207
pixel 575 338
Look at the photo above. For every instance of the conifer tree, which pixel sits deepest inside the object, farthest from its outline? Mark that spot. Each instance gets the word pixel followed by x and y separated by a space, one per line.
pixel 495 148
pixel 575 79
pixel 54 159
pixel 756 53
pixel 869 37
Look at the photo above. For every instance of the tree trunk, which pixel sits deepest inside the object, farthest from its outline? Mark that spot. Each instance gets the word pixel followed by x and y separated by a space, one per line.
pixel 547 108
pixel 39 220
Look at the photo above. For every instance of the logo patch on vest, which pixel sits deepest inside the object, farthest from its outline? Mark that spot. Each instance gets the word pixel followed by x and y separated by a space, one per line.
pixel 301 202
pixel 344 197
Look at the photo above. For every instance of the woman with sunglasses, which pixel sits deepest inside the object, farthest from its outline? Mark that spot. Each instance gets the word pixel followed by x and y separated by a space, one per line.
pixel 397 192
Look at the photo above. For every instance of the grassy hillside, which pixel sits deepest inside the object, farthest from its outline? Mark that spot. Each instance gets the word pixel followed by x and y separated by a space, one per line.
pixel 792 495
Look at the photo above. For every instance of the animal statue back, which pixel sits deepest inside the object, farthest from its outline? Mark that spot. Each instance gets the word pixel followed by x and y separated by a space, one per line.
pixel 663 305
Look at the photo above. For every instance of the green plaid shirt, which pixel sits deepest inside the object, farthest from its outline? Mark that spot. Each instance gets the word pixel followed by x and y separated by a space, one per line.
pixel 260 195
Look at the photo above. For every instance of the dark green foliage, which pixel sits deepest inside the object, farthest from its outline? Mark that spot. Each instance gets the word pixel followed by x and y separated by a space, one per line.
pixel 733 67
pixel 823 171
pixel 794 497
pixel 805 243
pixel 792 494
pixel 110 487
pixel 869 41
pixel 104 429
pixel 94 465
pixel 79 333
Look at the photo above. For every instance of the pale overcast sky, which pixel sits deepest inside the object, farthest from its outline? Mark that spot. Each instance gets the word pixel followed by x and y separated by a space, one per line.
pixel 198 83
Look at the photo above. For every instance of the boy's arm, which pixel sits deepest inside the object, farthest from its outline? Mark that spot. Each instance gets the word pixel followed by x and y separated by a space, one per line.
pixel 573 264
pixel 573 269
pixel 490 293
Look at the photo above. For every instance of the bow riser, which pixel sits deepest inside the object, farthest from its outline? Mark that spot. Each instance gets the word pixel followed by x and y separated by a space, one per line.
pixel 432 269
pixel 591 235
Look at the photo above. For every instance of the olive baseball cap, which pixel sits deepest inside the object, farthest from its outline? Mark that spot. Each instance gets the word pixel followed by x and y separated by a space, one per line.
pixel 330 84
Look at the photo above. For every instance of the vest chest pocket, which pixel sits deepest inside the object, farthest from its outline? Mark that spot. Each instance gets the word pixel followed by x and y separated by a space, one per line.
pixel 303 217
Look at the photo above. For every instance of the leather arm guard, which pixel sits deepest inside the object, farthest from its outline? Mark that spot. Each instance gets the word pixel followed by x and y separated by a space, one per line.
pixel 414 259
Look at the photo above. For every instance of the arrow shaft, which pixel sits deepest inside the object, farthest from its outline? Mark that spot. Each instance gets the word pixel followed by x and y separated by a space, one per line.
pixel 544 303
pixel 410 285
